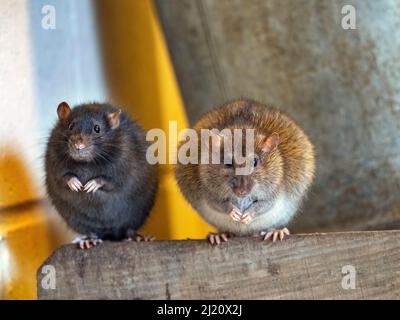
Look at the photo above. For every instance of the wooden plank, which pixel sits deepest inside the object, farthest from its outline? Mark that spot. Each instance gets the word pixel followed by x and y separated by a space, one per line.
pixel 300 267
pixel 340 85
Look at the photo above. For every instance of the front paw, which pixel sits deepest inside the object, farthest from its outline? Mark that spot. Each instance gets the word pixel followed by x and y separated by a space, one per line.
pixel 235 214
pixel 74 184
pixel 244 218
pixel 247 216
pixel 93 185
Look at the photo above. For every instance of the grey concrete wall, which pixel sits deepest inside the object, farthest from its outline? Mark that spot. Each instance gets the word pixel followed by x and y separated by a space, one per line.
pixel 341 85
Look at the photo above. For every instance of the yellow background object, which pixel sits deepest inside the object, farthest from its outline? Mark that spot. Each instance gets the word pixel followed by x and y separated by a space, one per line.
pixel 139 77
pixel 28 241
pixel 27 233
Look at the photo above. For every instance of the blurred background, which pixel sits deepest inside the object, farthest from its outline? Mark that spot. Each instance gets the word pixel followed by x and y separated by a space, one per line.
pixel 176 59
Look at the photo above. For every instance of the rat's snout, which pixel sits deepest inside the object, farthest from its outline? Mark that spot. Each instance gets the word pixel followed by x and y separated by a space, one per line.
pixel 79 146
pixel 240 192
pixel 78 142
pixel 242 186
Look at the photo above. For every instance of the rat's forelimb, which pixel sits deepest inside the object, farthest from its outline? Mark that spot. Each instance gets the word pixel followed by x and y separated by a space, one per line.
pixel 96 183
pixel 72 182
pixel 255 210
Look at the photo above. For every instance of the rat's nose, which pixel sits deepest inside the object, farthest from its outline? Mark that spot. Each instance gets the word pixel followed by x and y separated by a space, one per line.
pixel 240 192
pixel 79 146
pixel 242 186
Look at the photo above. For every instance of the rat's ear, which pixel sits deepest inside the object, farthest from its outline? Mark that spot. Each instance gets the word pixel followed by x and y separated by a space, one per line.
pixel 270 143
pixel 113 119
pixel 63 111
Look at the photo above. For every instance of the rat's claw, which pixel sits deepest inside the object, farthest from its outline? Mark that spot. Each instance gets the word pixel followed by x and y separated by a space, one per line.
pixel 236 215
pixel 268 235
pixel 86 242
pixel 224 237
pixel 74 184
pixel 211 238
pixel 140 238
pixel 246 219
pixel 217 238
pixel 89 243
pixel 247 216
pixel 92 186
pixel 274 234
pixel 82 244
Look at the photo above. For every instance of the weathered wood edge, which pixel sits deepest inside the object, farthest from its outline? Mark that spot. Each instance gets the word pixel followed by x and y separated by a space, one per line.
pixel 274 248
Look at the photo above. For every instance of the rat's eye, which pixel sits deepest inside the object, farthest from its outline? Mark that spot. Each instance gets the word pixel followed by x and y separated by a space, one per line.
pixel 71 126
pixel 255 163
pixel 96 128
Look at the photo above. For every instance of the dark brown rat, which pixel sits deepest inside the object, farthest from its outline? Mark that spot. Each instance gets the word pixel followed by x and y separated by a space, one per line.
pixel 266 199
pixel 97 175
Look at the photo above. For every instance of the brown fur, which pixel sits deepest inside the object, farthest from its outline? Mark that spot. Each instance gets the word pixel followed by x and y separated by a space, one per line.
pixel 288 168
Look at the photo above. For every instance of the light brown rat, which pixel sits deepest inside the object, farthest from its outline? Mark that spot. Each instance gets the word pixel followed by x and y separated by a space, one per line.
pixel 265 200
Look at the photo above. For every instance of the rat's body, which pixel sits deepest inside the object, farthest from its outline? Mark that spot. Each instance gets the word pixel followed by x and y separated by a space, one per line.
pixel 99 182
pixel 267 198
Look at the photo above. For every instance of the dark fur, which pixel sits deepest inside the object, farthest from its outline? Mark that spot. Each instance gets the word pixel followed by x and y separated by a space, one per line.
pixel 118 209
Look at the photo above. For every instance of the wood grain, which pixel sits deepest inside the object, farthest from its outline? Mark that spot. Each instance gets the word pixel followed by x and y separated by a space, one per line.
pixel 300 267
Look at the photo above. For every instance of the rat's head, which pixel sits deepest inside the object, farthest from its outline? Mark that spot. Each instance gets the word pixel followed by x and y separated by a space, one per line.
pixel 89 131
pixel 248 167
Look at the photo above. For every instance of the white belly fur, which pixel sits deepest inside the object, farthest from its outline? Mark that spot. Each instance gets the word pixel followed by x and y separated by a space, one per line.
pixel 279 215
